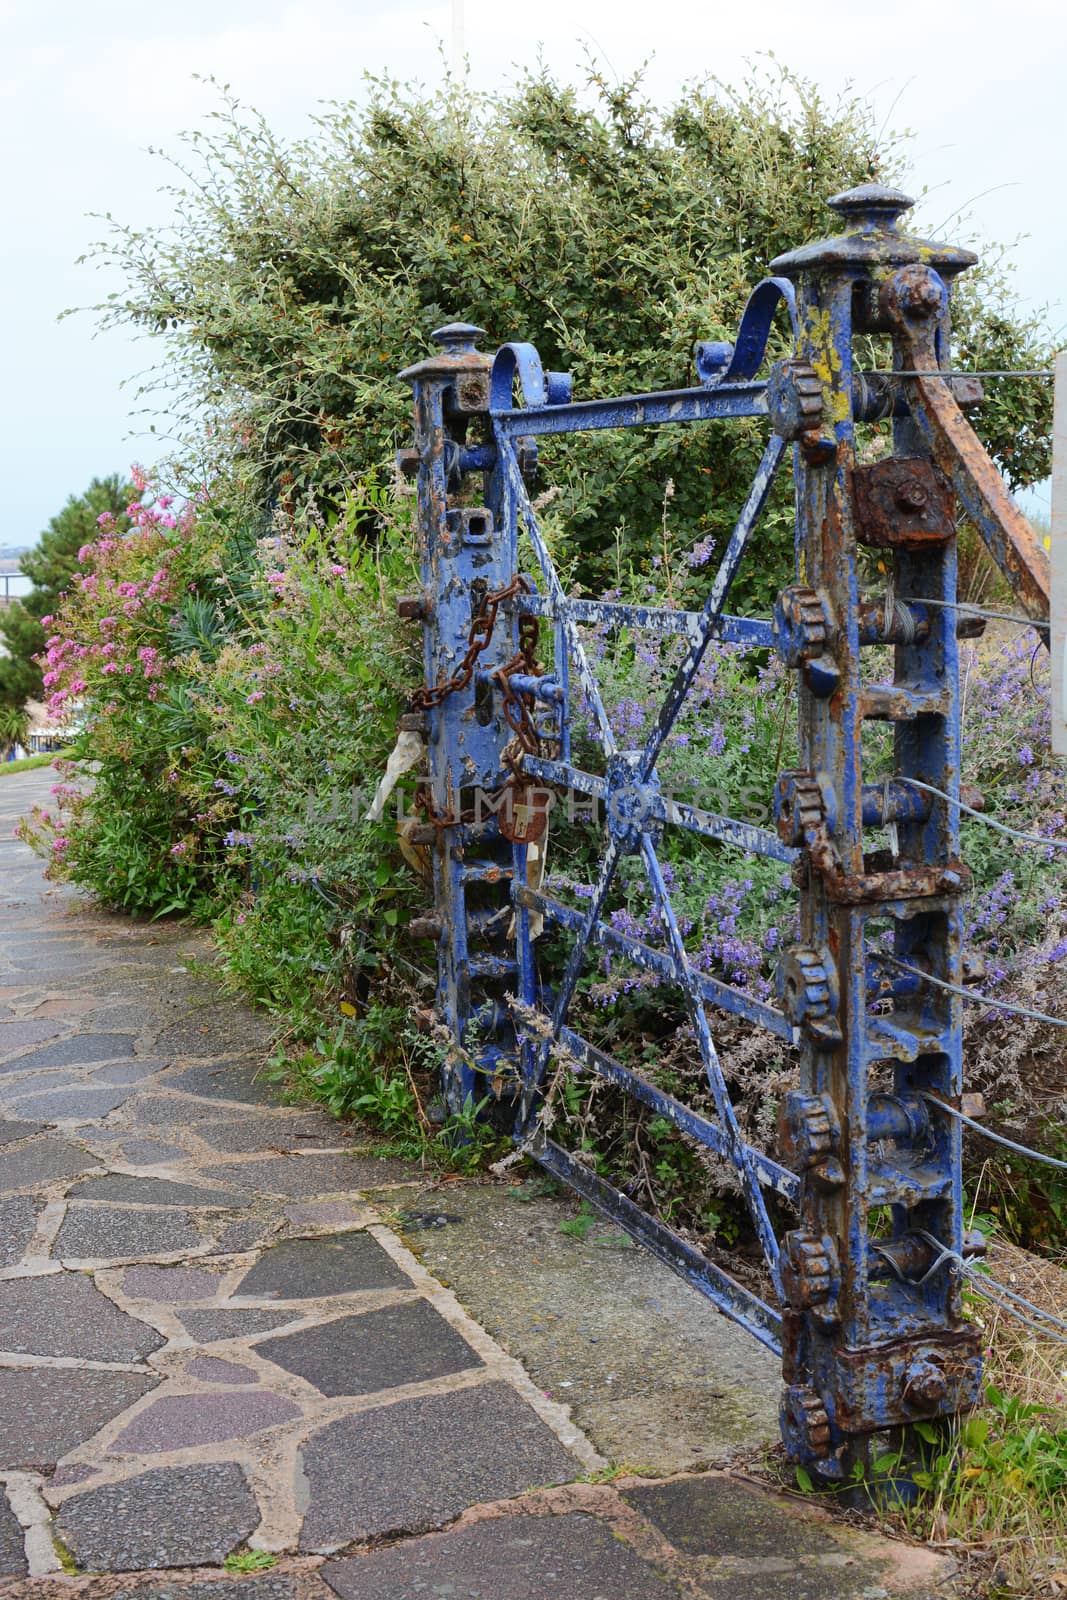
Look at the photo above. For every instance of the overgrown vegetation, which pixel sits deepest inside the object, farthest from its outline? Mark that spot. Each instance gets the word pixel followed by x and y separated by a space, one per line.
pixel 235 656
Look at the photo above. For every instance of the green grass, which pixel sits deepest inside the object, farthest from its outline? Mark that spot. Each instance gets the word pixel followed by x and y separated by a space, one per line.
pixel 27 764
pixel 250 1561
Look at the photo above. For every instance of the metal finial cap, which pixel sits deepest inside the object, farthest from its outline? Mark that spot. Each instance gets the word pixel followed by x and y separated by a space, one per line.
pixel 457 336
pixel 870 205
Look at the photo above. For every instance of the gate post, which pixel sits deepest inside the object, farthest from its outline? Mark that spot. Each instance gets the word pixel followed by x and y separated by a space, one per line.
pixel 464 557
pixel 873 1336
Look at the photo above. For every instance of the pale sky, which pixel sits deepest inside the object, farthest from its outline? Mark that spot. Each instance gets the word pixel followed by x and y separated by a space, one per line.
pixel 86 87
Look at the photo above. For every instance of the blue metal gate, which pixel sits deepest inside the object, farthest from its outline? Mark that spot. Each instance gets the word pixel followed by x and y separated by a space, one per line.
pixel 867 1312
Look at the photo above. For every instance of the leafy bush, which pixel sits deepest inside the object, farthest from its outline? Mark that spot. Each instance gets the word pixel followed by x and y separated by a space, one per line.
pixel 297 280
pixel 49 566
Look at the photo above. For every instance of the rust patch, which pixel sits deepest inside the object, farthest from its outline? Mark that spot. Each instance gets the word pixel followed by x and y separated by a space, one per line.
pixel 903 504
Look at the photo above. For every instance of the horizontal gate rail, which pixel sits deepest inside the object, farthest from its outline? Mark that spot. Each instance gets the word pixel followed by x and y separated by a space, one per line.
pixel 645 956
pixel 770 1174
pixel 752 632
pixel 638 411
pixel 744 836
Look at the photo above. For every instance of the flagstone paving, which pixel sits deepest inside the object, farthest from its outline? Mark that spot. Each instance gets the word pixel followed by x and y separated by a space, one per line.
pixel 213 1336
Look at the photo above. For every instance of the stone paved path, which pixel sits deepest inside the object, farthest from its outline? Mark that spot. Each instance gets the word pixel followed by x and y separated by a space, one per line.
pixel 211 1342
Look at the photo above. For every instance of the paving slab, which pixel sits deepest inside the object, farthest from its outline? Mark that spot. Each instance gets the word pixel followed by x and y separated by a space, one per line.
pixel 76 1104
pixel 244 1235
pixel 41 1162
pixel 412 1466
pixel 106 1233
pixel 159 1110
pixel 12 1543
pixel 715 1517
pixel 240 1081
pixel 42 1082
pixel 135 1070
pixel 151 1153
pixel 64 1314
pixel 226 1028
pixel 574 1557
pixel 302 1585
pixel 272 1133
pixel 381 1349
pixel 170 1285
pixel 184 1421
pixel 46 1411
pixel 302 1175
pixel 210 1369
pixel 25 1031
pixel 207 1327
pixel 83 1049
pixel 124 1017
pixel 18 1221
pixel 10 1131
pixel 322 1214
pixel 156 1192
pixel 770 1580
pixel 172 1517
pixel 340 1263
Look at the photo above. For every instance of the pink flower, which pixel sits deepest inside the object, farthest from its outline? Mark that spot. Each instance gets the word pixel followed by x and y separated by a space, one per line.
pixel 257 694
pixel 178 849
pixel 337 571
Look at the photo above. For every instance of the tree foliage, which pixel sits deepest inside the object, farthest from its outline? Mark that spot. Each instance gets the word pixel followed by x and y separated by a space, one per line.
pixel 297 280
pixel 50 565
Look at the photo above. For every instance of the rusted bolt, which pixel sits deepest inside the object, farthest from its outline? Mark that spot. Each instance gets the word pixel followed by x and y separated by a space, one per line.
pixel 411 607
pixel 912 495
pixel 925 1385
pixel 407 460
pixel 425 928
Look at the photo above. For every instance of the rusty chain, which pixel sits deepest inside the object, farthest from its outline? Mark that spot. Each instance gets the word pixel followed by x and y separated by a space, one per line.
pixel 481 632
pixel 516 706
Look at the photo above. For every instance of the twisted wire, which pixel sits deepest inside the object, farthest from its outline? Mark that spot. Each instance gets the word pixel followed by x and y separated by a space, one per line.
pixel 980 816
pixel 987 1133
pixel 969 994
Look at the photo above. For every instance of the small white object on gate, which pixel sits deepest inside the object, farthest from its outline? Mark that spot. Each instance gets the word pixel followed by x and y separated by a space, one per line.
pixel 1058 557
pixel 407 753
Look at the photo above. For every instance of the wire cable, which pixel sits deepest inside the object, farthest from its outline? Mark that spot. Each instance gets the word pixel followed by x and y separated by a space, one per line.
pixel 991 1289
pixel 967 610
pixel 998 827
pixel 987 1133
pixel 1007 1300
pixel 969 994
pixel 965 372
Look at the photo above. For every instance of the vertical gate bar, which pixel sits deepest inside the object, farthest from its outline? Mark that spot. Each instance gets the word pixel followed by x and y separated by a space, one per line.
pixel 863 1352
pixel 464 551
